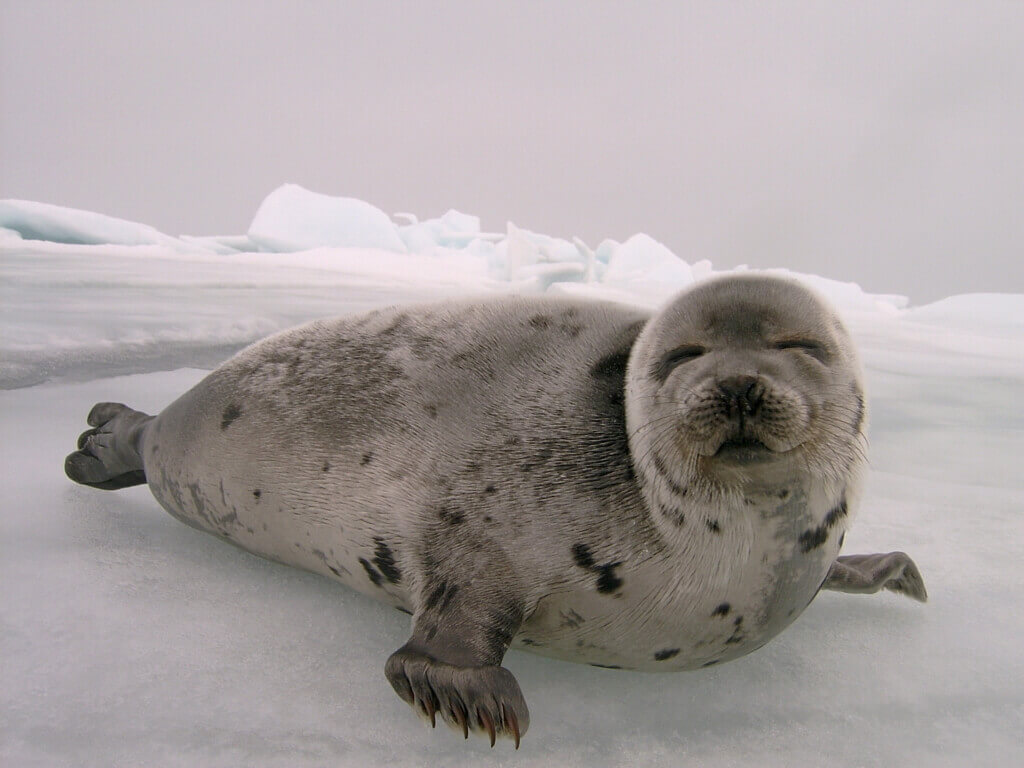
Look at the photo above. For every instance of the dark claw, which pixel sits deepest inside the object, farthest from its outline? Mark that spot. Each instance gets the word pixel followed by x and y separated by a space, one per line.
pixel 487 723
pixel 513 723
pixel 403 688
pixel 461 718
pixel 431 711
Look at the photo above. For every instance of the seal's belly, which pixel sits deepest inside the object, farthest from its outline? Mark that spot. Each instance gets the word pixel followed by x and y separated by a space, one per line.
pixel 670 616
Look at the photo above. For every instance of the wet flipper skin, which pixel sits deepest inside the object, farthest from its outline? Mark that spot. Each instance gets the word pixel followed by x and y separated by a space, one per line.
pixel 865 574
pixel 109 455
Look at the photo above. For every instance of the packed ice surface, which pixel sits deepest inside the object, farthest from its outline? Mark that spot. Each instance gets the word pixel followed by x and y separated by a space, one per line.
pixel 129 638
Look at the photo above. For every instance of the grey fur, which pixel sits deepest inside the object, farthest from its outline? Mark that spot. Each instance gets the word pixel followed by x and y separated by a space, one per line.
pixel 492 468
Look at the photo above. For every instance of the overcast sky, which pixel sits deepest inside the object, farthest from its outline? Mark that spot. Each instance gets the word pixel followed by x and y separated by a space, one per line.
pixel 881 142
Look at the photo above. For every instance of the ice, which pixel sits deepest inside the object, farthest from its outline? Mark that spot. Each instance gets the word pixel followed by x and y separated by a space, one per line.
pixel 54 223
pixel 130 639
pixel 294 219
pixel 454 229
pixel 643 266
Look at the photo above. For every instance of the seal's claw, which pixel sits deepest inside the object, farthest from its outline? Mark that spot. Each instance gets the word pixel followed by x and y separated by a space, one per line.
pixel 513 724
pixel 488 724
pixel 460 718
pixel 490 693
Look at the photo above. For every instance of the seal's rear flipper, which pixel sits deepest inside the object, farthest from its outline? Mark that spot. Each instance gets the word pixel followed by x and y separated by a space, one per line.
pixel 109 455
pixel 865 574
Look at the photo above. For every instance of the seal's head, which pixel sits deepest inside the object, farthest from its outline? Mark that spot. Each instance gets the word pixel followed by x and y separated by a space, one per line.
pixel 744 380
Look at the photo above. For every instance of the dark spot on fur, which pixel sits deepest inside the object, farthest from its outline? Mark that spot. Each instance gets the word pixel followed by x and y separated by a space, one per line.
pixel 666 654
pixel 384 559
pixel 435 596
pixel 451 515
pixel 581 555
pixel 784 493
pixel 256 492
pixel 440 597
pixel 367 458
pixel 570 619
pixel 512 440
pixel 403 609
pixel 842 538
pixel 527 641
pixel 674 515
pixel 605 666
pixel 813 538
pixel 710 663
pixel 490 488
pixel 502 627
pixel 607 581
pixel 722 610
pixel 326 467
pixel 447 598
pixel 611 365
pixel 231 413
pixel 487 519
pixel 431 411
pixel 540 321
pixel 737 635
pixel 713 526
pixel 334 569
pixel 374 576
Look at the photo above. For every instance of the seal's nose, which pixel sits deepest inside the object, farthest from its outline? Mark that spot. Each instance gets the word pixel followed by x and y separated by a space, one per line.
pixel 743 394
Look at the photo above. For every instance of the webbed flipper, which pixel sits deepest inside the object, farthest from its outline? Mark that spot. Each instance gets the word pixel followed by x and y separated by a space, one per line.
pixel 866 574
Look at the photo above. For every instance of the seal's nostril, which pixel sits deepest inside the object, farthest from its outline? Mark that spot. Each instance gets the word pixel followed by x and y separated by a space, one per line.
pixel 742 393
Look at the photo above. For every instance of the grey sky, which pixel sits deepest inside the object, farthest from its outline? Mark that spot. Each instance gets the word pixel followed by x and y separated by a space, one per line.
pixel 872 141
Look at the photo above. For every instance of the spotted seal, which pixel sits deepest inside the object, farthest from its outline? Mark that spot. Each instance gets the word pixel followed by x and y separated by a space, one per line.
pixel 580 479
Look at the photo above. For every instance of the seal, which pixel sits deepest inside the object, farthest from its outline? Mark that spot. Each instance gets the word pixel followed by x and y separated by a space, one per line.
pixel 579 479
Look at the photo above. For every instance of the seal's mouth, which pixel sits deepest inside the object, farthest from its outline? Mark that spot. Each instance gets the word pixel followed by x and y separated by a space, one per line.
pixel 743 450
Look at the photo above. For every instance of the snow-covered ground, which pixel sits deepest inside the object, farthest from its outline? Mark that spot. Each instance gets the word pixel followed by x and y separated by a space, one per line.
pixel 130 639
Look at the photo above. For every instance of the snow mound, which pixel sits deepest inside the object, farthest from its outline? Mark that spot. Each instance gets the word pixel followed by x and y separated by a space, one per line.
pixel 294 219
pixel 56 224
pixel 990 311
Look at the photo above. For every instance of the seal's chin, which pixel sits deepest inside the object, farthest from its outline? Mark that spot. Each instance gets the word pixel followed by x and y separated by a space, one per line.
pixel 744 450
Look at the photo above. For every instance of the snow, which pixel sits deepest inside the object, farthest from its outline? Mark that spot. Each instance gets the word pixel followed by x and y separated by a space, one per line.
pixel 131 639
pixel 293 219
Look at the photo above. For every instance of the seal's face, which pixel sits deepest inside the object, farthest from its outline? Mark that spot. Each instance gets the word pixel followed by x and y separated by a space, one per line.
pixel 747 375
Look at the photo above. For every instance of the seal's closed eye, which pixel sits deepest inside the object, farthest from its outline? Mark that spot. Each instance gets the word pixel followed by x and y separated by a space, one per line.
pixel 677 357
pixel 811 347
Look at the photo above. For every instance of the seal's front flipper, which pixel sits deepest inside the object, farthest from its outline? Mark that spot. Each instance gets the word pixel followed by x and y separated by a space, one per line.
pixel 451 664
pixel 109 455
pixel 478 698
pixel 864 574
